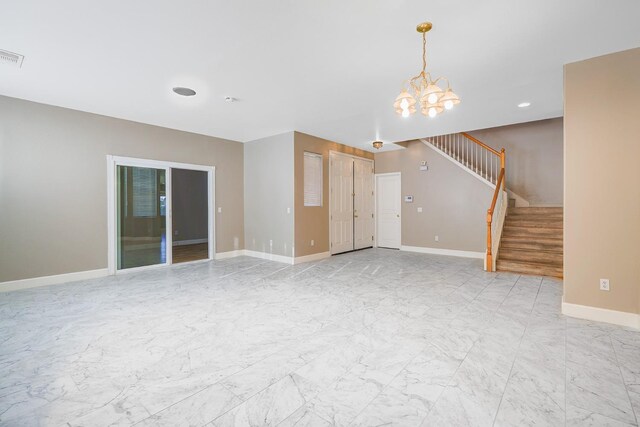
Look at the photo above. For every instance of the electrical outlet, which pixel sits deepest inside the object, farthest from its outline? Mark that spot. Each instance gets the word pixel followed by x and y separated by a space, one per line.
pixel 288 210
pixel 437 238
pixel 604 284
pixel 219 210
pixel 419 210
pixel 313 243
pixel 270 242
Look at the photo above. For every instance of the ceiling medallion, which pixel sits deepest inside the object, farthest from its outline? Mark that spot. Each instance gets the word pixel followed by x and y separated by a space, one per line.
pixel 424 90
pixel 377 145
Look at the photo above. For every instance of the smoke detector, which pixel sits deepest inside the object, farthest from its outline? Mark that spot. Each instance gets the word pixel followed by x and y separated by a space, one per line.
pixel 10 58
pixel 229 99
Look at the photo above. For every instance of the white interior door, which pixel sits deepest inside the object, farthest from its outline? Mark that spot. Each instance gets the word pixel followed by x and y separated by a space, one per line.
pixel 341 203
pixel 363 203
pixel 388 203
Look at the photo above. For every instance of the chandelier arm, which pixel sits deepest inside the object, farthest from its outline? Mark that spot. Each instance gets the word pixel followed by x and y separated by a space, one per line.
pixel 443 78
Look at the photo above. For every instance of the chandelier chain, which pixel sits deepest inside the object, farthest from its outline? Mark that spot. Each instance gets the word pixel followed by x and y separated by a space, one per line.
pixel 424 52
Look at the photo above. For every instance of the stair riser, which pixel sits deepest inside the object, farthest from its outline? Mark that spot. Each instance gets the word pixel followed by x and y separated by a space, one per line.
pixel 529 269
pixel 535 216
pixel 536 211
pixel 531 256
pixel 554 233
pixel 528 245
pixel 532 224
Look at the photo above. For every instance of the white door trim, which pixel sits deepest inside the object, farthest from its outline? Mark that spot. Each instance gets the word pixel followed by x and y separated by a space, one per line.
pixel 112 163
pixel 375 206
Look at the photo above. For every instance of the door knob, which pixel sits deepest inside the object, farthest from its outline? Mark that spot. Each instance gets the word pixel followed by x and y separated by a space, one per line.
pixel 355 216
pixel 398 215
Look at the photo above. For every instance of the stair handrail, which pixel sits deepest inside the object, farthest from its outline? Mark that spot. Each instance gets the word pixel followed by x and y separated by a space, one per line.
pixel 499 189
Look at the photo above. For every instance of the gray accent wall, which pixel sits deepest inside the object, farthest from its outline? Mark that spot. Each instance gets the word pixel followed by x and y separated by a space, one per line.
pixel 534 165
pixel 53 184
pixel 268 193
pixel 454 203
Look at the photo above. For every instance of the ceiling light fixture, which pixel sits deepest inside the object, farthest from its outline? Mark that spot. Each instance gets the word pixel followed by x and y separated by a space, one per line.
pixel 377 145
pixel 425 91
pixel 184 91
pixel 229 99
pixel 524 104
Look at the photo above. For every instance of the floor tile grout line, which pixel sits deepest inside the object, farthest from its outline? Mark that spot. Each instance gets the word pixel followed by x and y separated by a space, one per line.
pixel 515 357
pixel 467 353
pixel 624 383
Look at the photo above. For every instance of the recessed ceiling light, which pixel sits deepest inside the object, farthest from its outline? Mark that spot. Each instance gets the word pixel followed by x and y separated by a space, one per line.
pixel 524 104
pixel 184 91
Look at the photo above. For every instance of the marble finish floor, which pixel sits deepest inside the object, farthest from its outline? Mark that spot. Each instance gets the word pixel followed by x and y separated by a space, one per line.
pixel 371 338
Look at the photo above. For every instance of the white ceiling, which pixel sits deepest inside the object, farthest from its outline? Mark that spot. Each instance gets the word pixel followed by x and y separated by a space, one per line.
pixel 331 68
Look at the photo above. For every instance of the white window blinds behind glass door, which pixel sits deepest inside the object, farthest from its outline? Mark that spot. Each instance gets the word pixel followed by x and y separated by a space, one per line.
pixel 312 179
pixel 145 192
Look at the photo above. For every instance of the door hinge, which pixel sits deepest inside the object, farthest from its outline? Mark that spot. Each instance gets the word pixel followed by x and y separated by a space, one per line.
pixel 371 215
pixel 372 238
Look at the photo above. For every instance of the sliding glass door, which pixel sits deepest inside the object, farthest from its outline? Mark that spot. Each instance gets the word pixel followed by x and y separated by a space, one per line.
pixel 141 210
pixel 146 228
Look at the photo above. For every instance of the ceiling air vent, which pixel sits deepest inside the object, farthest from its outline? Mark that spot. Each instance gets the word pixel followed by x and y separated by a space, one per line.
pixel 10 58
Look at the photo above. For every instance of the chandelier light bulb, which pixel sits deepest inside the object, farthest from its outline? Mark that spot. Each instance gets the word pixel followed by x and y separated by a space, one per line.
pixel 433 98
pixel 405 112
pixel 448 104
pixel 404 104
pixel 432 112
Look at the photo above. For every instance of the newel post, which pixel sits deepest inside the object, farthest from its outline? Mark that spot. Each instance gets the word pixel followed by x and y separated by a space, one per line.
pixel 489 254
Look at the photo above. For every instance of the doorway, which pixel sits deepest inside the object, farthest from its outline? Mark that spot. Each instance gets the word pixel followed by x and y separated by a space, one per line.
pixel 154 209
pixel 388 210
pixel 351 202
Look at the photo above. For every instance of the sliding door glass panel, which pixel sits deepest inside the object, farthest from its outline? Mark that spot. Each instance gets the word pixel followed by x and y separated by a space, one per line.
pixel 141 217
pixel 190 215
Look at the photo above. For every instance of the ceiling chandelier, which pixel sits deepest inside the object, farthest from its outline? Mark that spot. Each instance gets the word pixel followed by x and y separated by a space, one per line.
pixel 422 89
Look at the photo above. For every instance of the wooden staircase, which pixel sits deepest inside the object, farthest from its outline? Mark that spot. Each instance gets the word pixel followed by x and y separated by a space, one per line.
pixel 531 241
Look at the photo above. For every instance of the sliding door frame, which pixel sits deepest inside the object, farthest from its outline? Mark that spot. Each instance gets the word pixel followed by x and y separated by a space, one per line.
pixel 112 165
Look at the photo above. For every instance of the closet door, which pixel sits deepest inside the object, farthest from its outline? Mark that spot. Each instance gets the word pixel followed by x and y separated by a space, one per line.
pixel 341 203
pixel 363 203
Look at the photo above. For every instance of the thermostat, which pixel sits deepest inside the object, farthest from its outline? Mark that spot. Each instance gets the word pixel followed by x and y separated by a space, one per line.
pixel 408 199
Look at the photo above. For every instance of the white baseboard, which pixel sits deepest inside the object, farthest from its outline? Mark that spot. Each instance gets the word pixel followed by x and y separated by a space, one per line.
pixel 597 314
pixel 189 242
pixel 15 285
pixel 312 257
pixel 268 256
pixel 230 254
pixel 447 252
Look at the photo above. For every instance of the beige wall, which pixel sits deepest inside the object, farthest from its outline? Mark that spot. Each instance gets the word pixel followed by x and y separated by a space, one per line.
pixel 454 203
pixel 602 181
pixel 268 193
pixel 53 184
pixel 534 158
pixel 312 222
